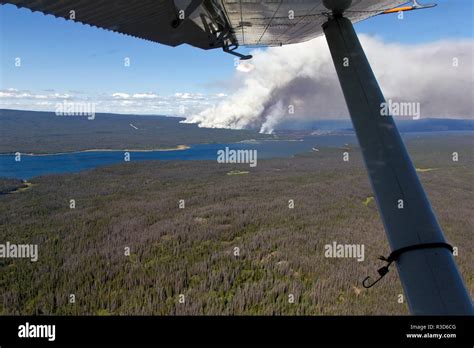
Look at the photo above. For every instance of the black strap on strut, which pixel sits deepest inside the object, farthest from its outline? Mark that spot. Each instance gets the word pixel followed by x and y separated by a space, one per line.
pixel 394 255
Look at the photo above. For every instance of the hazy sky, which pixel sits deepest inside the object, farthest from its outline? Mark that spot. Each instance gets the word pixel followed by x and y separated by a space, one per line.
pixel 63 60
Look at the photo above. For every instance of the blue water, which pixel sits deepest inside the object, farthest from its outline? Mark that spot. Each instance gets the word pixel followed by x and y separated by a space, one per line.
pixel 31 166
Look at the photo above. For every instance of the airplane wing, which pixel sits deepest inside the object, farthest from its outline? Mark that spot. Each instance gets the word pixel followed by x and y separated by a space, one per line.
pixel 206 24
pixel 276 23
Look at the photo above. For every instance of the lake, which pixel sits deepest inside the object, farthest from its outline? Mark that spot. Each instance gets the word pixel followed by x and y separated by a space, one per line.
pixel 36 165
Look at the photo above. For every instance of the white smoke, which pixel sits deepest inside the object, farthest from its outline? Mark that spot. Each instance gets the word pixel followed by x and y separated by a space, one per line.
pixel 299 82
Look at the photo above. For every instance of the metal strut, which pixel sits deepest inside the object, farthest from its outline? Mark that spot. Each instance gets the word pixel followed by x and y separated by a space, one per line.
pixel 430 278
pixel 231 50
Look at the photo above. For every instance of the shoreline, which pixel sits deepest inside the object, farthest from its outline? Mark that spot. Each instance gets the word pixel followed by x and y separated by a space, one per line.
pixel 177 148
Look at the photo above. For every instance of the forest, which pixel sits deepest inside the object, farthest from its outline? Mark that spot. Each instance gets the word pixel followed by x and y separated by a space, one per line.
pixel 199 237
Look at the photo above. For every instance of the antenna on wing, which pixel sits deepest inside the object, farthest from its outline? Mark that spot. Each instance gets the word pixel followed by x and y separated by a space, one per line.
pixel 415 6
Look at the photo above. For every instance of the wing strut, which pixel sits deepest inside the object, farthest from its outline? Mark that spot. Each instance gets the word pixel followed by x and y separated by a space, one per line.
pixel 430 278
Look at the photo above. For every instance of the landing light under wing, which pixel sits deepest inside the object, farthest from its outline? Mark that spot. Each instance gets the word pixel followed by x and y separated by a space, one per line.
pixel 207 23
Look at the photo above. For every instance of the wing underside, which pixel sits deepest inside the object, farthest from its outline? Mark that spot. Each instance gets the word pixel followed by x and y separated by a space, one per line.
pixel 274 23
pixel 208 23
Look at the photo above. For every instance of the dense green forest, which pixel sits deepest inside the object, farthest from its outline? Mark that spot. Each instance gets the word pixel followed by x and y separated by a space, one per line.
pixel 191 250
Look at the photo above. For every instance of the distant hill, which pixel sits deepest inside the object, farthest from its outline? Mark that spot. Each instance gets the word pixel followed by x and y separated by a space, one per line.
pixel 404 125
pixel 44 132
pixel 435 125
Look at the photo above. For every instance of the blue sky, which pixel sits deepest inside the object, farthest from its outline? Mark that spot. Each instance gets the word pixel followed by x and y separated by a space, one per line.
pixel 66 56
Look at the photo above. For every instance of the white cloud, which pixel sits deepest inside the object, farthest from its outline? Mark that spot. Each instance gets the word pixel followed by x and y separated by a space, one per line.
pixel 145 96
pixel 117 102
pixel 121 95
pixel 194 96
pixel 62 96
pixel 13 93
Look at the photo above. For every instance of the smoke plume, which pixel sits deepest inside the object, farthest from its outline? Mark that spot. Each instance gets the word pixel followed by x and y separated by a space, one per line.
pixel 299 82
